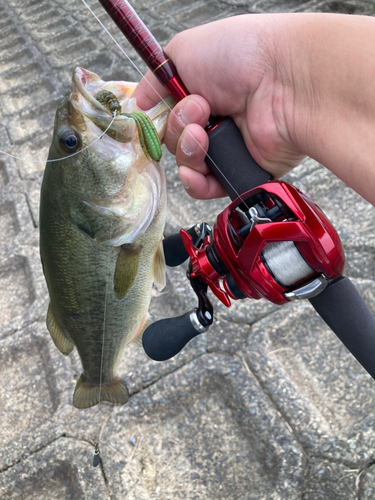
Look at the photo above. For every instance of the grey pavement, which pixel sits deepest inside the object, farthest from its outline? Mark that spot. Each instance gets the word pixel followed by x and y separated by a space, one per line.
pixel 267 405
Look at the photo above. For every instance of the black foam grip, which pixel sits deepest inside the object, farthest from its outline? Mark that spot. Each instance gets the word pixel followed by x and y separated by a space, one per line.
pixel 165 338
pixel 230 160
pixel 174 249
pixel 346 313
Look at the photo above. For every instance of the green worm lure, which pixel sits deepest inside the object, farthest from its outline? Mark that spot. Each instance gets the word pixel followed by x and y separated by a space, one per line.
pixel 148 136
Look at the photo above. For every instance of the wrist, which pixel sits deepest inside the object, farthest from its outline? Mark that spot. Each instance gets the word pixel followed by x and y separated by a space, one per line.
pixel 296 91
pixel 326 72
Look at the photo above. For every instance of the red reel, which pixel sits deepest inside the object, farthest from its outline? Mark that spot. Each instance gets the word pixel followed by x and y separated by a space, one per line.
pixel 282 244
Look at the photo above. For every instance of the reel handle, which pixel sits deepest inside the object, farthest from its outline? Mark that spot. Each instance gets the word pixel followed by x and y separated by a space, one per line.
pixel 346 313
pixel 174 250
pixel 165 338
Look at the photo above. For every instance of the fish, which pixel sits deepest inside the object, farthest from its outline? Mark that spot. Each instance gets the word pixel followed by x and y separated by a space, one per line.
pixel 102 216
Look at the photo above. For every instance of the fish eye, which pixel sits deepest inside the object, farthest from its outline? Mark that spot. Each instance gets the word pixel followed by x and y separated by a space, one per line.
pixel 69 140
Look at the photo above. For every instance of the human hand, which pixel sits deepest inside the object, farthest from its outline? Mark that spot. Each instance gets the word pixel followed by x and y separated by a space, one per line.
pixel 231 69
pixel 296 85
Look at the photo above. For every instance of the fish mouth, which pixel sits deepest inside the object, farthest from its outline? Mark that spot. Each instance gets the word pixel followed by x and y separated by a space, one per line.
pixel 88 84
pixel 85 86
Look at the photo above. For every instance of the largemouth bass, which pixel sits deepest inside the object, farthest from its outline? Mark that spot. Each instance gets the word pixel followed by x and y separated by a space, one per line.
pixel 102 215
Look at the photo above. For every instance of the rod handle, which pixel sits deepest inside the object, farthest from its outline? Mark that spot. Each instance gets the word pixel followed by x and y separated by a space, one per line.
pixel 346 313
pixel 230 160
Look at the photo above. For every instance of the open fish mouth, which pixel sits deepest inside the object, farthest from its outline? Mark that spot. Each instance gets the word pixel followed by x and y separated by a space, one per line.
pixel 85 86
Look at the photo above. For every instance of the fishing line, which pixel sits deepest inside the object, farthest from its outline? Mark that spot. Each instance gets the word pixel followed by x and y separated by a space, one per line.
pixel 161 98
pixel 65 157
pixel 104 325
pixel 96 456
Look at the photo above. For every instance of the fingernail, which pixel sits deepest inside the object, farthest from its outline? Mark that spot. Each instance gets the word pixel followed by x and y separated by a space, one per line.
pixel 189 145
pixel 190 113
pixel 184 181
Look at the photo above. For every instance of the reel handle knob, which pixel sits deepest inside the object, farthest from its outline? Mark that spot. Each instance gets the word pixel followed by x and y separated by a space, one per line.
pixel 165 338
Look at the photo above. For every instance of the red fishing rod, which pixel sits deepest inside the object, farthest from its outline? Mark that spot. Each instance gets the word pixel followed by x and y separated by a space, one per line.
pixel 272 241
pixel 123 14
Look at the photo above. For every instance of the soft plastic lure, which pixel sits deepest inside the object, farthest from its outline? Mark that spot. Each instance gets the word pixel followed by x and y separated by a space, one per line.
pixel 148 136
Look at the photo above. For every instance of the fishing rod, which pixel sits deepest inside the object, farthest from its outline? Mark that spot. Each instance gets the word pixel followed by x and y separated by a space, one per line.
pixel 272 241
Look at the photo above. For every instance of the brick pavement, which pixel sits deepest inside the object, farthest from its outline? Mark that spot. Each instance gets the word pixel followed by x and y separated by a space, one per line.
pixel 267 405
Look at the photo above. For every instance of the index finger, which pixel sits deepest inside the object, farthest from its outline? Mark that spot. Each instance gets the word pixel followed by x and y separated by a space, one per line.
pixel 149 91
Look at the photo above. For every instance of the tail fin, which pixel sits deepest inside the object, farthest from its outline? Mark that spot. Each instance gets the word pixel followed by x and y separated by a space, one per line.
pixel 86 395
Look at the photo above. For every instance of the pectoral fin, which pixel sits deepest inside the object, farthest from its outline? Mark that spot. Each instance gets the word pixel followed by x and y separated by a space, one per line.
pixel 159 268
pixel 61 342
pixel 126 269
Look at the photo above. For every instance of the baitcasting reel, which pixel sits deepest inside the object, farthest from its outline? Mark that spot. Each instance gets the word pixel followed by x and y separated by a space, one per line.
pixel 272 242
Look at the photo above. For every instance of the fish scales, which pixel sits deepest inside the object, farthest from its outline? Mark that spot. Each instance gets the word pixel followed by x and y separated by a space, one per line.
pixel 102 215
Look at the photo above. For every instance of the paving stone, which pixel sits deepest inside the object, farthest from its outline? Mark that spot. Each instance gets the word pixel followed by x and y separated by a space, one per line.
pixel 226 336
pixel 307 167
pixel 356 7
pixel 8 222
pixel 20 98
pixel 29 394
pixel 15 58
pixel 22 286
pixel 330 481
pixel 367 484
pixel 282 6
pixel 16 289
pixel 205 431
pixel 8 167
pixel 36 397
pixel 316 384
pixel 3 175
pixel 200 13
pixel 59 471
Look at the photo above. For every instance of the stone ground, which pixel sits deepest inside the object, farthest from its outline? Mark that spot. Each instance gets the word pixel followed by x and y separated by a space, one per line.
pixel 267 405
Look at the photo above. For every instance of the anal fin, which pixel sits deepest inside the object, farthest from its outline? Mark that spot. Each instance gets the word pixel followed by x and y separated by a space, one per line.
pixel 138 339
pixel 61 342
pixel 87 395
